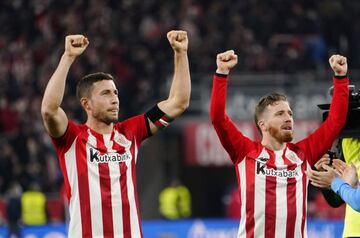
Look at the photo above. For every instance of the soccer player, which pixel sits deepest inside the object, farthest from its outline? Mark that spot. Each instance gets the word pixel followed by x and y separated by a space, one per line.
pixel 98 158
pixel 270 172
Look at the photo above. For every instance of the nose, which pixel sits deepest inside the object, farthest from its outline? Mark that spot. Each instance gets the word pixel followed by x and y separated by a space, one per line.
pixel 115 99
pixel 288 117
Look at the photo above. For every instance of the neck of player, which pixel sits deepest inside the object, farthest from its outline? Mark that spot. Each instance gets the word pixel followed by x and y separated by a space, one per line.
pixel 272 143
pixel 99 126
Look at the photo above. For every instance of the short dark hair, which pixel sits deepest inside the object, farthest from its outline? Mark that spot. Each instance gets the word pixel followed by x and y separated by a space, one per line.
pixel 265 101
pixel 83 88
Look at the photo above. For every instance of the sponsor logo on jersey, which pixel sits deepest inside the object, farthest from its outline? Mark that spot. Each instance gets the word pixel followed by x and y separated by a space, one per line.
pixel 262 169
pixel 110 157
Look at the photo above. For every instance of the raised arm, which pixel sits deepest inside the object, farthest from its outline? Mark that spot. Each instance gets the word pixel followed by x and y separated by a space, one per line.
pixel 321 140
pixel 54 118
pixel 230 137
pixel 179 95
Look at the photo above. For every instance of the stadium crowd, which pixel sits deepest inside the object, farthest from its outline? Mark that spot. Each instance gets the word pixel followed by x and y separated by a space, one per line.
pixel 128 40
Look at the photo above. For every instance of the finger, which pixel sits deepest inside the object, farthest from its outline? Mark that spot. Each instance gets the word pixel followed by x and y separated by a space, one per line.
pixel 325 160
pixel 168 35
pixel 319 185
pixel 339 164
pixel 327 168
pixel 86 41
pixel 325 156
pixel 182 35
pixel 311 175
pixel 341 59
pixel 231 52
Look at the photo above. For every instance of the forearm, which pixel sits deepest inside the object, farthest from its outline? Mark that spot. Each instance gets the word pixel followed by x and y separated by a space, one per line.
pixel 321 140
pixel 55 88
pixel 218 98
pixel 181 86
pixel 350 195
pixel 339 102
pixel 332 198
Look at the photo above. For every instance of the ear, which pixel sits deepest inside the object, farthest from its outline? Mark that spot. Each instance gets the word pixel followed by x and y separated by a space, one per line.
pixel 262 125
pixel 85 103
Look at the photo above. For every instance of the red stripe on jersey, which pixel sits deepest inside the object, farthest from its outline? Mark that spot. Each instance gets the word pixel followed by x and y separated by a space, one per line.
pixel 83 185
pixel 125 200
pixel 291 200
pixel 65 174
pixel 105 187
pixel 239 185
pixel 304 192
pixel 270 203
pixel 250 197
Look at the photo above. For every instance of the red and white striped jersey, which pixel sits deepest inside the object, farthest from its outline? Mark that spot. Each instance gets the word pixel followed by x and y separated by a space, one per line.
pixel 273 184
pixel 100 179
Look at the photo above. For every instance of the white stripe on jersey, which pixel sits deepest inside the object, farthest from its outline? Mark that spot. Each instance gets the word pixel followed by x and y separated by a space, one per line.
pixel 281 201
pixel 94 189
pixel 134 219
pixel 260 200
pixel 75 229
pixel 242 171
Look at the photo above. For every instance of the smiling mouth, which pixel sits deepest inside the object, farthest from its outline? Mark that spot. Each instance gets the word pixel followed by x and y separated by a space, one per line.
pixel 286 128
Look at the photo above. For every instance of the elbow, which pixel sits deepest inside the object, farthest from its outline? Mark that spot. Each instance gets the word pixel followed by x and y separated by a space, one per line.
pixel 47 112
pixel 182 105
pixel 215 118
pixel 355 206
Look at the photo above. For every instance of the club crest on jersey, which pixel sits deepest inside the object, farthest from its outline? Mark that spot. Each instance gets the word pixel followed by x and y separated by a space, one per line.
pixel 110 157
pixel 122 140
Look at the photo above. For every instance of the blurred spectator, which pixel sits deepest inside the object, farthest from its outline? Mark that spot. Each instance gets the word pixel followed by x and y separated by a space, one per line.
pixel 13 209
pixel 33 206
pixel 175 201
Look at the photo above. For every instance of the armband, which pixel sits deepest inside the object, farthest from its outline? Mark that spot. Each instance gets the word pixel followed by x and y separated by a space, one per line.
pixel 158 117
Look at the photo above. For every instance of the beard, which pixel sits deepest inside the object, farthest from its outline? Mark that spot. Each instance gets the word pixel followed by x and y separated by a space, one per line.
pixel 105 117
pixel 281 136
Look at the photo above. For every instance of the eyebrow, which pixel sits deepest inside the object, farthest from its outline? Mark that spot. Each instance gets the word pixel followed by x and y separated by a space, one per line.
pixel 109 90
pixel 284 111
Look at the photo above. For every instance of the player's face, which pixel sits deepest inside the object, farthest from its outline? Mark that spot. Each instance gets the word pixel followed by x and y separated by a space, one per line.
pixel 279 122
pixel 104 101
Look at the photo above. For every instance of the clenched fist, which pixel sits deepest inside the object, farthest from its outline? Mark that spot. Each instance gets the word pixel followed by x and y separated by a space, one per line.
pixel 226 61
pixel 75 45
pixel 339 65
pixel 178 40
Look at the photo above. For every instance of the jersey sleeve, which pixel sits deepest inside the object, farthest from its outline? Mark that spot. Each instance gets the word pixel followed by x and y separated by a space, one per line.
pixel 63 143
pixel 349 194
pixel 321 140
pixel 233 141
pixel 138 127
